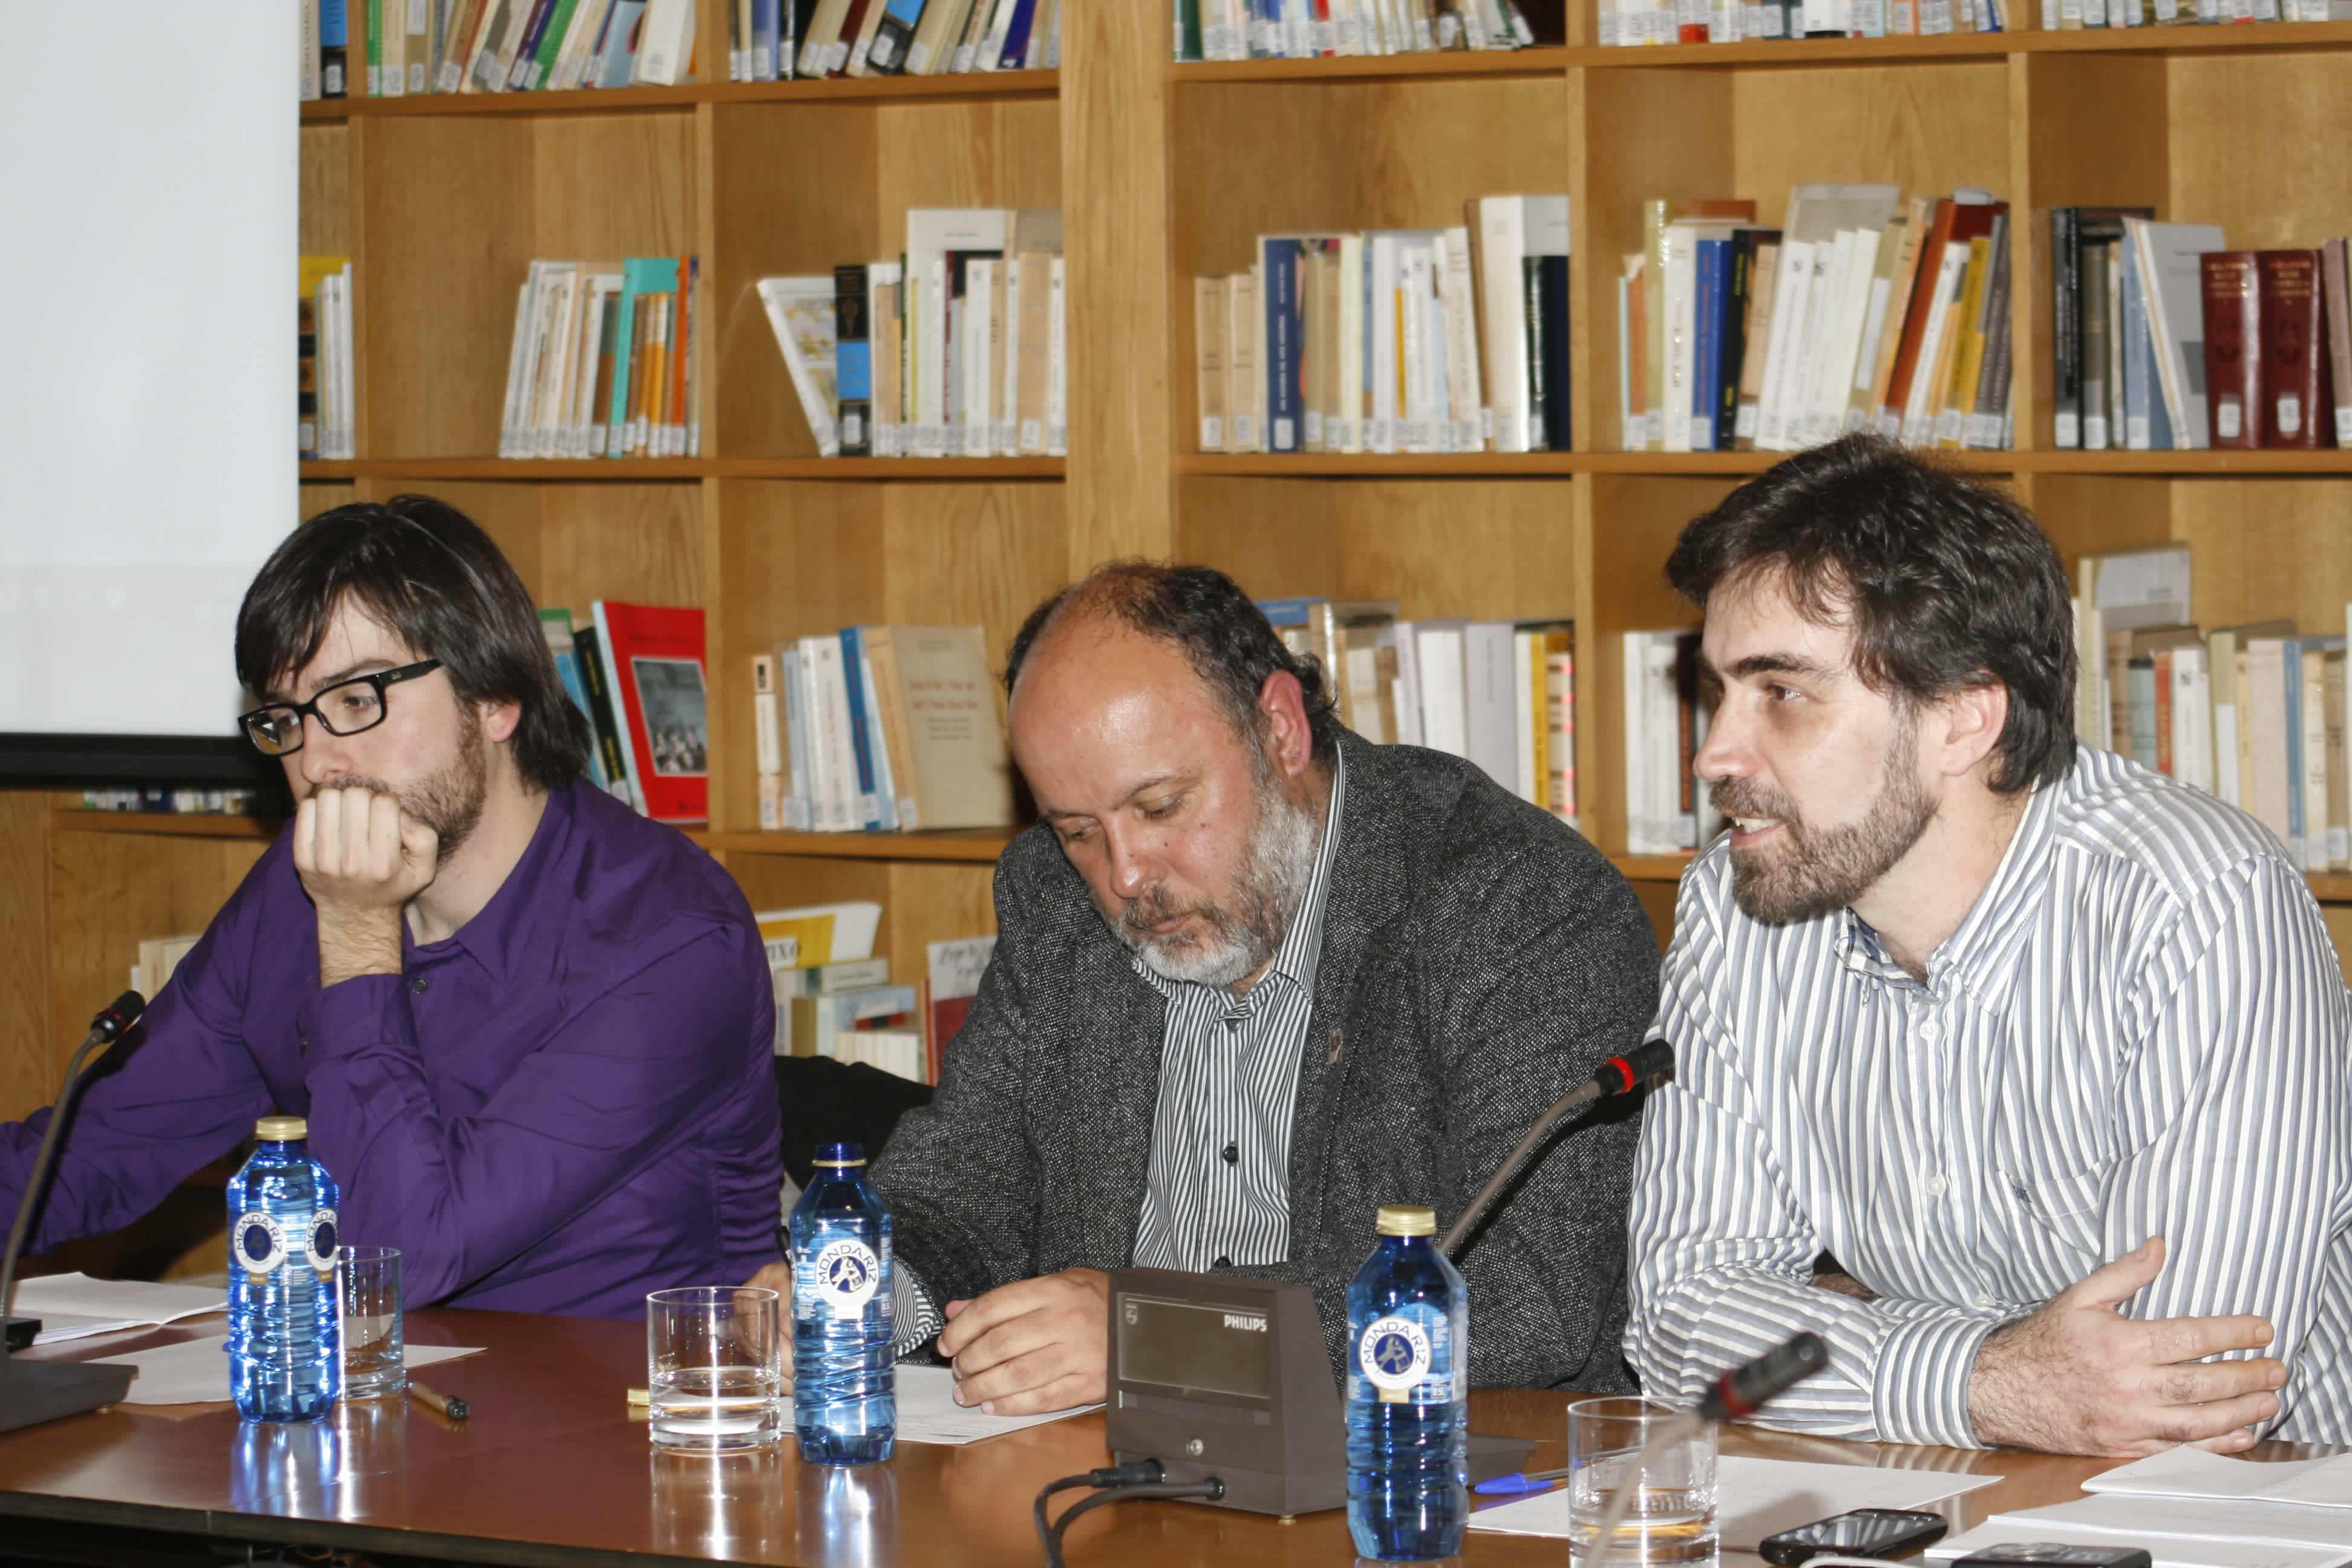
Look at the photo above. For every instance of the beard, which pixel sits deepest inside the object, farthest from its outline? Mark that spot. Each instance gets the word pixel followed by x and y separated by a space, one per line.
pixel 1246 929
pixel 450 802
pixel 1815 870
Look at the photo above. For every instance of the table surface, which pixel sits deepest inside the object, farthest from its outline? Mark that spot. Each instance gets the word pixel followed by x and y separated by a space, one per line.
pixel 551 1467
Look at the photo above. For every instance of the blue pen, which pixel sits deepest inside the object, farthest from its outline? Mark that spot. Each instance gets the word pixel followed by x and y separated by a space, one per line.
pixel 1519 1481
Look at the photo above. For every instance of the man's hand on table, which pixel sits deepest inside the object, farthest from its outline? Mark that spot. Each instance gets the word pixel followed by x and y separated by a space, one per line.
pixel 1032 1346
pixel 2078 1377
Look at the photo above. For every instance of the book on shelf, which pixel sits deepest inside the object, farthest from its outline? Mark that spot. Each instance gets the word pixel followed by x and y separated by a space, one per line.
pixel 880 728
pixel 323 346
pixel 563 646
pixel 603 358
pixel 1653 22
pixel 1440 339
pixel 958 348
pixel 398 49
pixel 1310 29
pixel 952 971
pixel 2166 338
pixel 158 956
pixel 1501 694
pixel 652 673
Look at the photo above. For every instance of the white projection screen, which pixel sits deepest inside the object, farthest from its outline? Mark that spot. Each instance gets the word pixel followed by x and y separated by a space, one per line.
pixel 149 166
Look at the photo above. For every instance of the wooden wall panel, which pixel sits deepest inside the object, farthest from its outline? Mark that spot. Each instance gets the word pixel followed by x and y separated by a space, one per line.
pixel 28 1061
pixel 2255 165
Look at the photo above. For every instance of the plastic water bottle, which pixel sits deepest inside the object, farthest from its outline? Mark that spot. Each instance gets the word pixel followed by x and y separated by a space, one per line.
pixel 285 1340
pixel 845 1393
pixel 1408 1400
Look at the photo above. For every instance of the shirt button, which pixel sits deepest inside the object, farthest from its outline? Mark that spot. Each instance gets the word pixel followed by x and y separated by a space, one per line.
pixel 420 985
pixel 1222 1263
pixel 1936 1185
pixel 1987 1302
pixel 1931 1031
pixel 1232 1154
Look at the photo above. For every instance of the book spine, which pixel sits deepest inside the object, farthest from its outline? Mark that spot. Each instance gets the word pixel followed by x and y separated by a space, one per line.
pixel 595 674
pixel 1282 350
pixel 852 361
pixel 2231 304
pixel 894 37
pixel 868 807
pixel 2334 263
pixel 1707 373
pixel 2295 359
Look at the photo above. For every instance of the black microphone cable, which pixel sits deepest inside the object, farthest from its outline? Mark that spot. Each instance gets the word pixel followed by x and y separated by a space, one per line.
pixel 1120 1483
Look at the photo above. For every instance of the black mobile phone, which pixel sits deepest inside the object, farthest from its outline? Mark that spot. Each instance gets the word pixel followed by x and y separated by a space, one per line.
pixel 2054 1555
pixel 1864 1532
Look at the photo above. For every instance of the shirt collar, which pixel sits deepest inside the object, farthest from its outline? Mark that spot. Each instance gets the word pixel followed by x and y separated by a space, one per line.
pixel 1977 952
pixel 1301 953
pixel 496 936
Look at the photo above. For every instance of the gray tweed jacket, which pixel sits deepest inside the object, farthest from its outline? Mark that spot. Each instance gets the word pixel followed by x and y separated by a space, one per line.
pixel 1479 961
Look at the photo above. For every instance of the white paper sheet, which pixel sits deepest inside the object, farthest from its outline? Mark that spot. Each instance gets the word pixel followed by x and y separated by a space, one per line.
pixel 927 1412
pixel 75 1306
pixel 196 1370
pixel 2174 1551
pixel 1757 1498
pixel 2200 1518
pixel 2187 1472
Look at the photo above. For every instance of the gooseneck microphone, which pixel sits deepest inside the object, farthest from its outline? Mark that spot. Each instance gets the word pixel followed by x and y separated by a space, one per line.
pixel 33 1391
pixel 1617 1075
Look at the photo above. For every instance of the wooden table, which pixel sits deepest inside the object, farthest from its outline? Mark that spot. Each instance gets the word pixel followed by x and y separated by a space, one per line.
pixel 552 1469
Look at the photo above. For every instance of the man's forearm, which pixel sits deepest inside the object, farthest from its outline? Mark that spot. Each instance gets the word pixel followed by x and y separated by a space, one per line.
pixel 364 943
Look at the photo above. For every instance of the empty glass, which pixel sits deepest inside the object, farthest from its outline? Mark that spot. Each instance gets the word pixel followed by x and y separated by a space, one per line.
pixel 715 1367
pixel 374 1357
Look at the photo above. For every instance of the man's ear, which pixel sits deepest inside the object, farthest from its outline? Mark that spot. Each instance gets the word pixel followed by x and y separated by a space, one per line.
pixel 1972 719
pixel 500 719
pixel 1282 710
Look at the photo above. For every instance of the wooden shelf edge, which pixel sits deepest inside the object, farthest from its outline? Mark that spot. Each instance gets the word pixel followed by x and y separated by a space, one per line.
pixel 167 825
pixel 312 470
pixel 945 88
pixel 973 846
pixel 1808 53
pixel 887 467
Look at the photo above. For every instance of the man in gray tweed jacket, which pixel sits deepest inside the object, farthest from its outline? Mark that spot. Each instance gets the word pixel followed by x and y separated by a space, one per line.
pixel 1256 977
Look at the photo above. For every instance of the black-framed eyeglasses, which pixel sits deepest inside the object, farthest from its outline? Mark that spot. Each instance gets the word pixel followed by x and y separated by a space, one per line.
pixel 346 707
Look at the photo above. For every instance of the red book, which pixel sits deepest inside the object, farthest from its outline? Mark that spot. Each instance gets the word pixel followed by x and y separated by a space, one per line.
pixel 653 663
pixel 2233 348
pixel 2295 359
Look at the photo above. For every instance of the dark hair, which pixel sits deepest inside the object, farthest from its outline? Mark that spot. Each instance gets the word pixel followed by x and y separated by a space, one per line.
pixel 438 583
pixel 1223 636
pixel 1946 583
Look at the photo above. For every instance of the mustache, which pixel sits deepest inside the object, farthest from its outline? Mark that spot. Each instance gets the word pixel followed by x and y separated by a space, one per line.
pixel 1740 798
pixel 1149 908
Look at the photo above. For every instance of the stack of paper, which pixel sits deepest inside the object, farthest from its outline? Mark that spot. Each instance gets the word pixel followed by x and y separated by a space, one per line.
pixel 1757 1498
pixel 927 1412
pixel 75 1306
pixel 2190 1509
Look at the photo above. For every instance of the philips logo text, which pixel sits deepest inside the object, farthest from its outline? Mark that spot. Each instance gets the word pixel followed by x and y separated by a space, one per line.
pixel 1247 1323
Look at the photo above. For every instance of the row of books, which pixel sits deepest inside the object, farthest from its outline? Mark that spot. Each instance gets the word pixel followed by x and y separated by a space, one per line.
pixel 769 40
pixel 1666 807
pixel 404 48
pixel 1501 694
pixel 2066 14
pixel 1640 22
pixel 834 996
pixel 2254 713
pixel 323 343
pixel 185 800
pixel 1306 29
pixel 1438 340
pixel 956 348
pixel 635 672
pixel 879 729
pixel 2165 339
pixel 603 359
pixel 1860 311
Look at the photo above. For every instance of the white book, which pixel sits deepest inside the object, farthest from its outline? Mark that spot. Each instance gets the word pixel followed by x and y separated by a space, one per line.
pixel 346 428
pixel 581 441
pixel 976 364
pixel 1408 683
pixel 799 312
pixel 1492 700
pixel 1918 414
pixel 1423 429
pixel 558 354
pixel 933 234
pixel 1464 398
pixel 2171 288
pixel 1006 438
pixel 1380 433
pixel 1502 257
pixel 1833 260
pixel 2192 718
pixel 1057 364
pixel 1681 332
pixel 1640 833
pixel 1791 284
pixel 1348 395
pixel 1842 353
pixel 792 683
pixel 665 42
pixel 1445 707
pixel 1525 784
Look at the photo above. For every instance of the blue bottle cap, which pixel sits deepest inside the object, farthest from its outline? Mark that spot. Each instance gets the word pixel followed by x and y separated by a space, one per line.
pixel 839 1156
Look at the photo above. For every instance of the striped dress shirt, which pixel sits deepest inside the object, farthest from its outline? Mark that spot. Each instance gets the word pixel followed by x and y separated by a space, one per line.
pixel 1217 1190
pixel 2139 1029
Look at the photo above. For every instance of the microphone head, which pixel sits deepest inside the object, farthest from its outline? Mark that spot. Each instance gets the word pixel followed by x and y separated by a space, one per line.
pixel 115 1021
pixel 1651 1059
pixel 1744 1390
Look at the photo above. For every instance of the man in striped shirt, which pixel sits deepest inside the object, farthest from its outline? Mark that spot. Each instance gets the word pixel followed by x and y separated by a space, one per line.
pixel 2046 1052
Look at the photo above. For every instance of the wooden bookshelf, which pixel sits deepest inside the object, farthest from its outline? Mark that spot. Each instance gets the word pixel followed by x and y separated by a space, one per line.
pixel 1165 171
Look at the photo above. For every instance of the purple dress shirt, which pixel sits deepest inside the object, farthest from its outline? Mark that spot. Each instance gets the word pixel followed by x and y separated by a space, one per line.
pixel 569 1103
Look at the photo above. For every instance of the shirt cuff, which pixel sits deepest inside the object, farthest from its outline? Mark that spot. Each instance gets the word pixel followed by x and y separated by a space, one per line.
pixel 351 1014
pixel 1921 1392
pixel 914 1318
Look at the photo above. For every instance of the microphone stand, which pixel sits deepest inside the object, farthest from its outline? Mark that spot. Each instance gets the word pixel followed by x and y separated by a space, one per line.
pixel 35 1390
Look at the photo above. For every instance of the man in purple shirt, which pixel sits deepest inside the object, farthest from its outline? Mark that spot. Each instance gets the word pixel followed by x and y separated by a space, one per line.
pixel 533 1031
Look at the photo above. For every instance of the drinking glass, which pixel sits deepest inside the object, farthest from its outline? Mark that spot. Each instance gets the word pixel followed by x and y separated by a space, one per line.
pixel 1671 1516
pixel 375 1358
pixel 715 1367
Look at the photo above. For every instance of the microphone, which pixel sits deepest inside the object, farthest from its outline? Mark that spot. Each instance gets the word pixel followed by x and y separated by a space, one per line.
pixel 1617 1075
pixel 33 1391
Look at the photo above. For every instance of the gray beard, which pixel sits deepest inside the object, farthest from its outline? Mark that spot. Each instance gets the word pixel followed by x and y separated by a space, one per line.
pixel 1240 940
